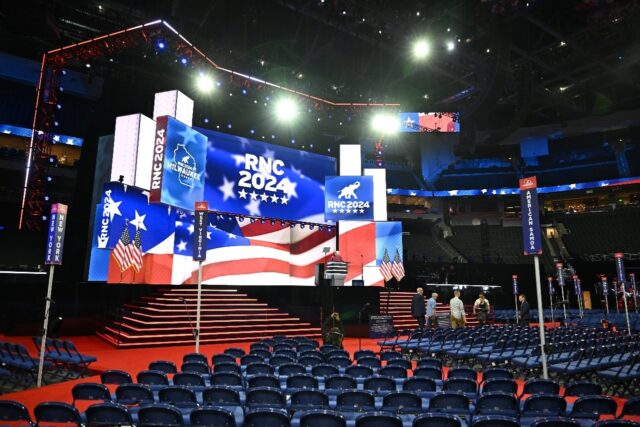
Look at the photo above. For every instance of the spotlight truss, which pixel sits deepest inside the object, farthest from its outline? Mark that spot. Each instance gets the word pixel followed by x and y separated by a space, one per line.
pixel 32 208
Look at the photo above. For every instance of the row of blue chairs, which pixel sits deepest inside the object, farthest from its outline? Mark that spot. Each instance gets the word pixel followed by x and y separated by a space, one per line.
pixel 158 414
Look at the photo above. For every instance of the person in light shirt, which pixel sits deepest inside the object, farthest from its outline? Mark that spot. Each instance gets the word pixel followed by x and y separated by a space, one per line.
pixel 481 309
pixel 458 317
pixel 431 311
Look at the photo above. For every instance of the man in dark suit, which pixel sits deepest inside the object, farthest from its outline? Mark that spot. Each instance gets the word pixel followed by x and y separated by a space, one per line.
pixel 523 314
pixel 418 309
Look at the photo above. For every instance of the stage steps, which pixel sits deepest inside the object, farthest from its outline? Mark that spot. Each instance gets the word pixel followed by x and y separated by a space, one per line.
pixel 398 305
pixel 166 318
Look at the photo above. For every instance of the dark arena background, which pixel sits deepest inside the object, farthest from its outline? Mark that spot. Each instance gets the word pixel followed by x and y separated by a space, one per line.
pixel 239 213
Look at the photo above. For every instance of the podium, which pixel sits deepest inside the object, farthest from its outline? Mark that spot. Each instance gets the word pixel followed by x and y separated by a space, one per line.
pixel 336 271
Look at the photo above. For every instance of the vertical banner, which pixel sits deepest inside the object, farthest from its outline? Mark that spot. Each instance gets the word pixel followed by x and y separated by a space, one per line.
pixel 157 166
pixel 552 290
pixel 559 266
pixel 515 284
pixel 55 234
pixel 200 231
pixel 619 257
pixel 576 285
pixel 531 235
pixel 605 286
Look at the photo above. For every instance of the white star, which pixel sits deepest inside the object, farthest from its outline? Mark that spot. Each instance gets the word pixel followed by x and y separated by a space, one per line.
pixel 284 200
pixel 213 226
pixel 191 228
pixel 239 158
pixel 335 211
pixel 341 210
pixel 182 246
pixel 289 187
pixel 483 191
pixel 348 210
pixel 453 192
pixel 188 135
pixel 253 207
pixel 572 186
pixel 208 235
pixel 232 236
pixel 227 189
pixel 253 195
pixel 264 197
pixel 268 154
pixel 362 211
pixel 56 138
pixel 178 223
pixel 388 190
pixel 274 199
pixel 242 194
pixel 297 171
pixel 139 221
pixel 70 141
pixel 113 209
pixel 413 193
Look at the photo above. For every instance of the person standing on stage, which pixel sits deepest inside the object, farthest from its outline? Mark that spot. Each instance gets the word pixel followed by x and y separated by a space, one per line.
pixel 431 311
pixel 481 309
pixel 523 314
pixel 417 307
pixel 458 317
pixel 333 330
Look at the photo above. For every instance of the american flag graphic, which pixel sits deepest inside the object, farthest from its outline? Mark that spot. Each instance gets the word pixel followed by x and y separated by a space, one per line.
pixel 385 267
pixel 397 268
pixel 121 252
pixel 135 251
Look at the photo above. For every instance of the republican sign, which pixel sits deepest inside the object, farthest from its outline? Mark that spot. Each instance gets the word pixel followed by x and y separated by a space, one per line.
pixel 55 234
pixel 348 198
pixel 200 231
pixel 253 178
pixel 178 168
pixel 619 257
pixel 531 235
pixel 514 278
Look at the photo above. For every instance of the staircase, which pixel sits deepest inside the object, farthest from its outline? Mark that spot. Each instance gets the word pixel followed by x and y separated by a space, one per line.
pixel 400 309
pixel 166 318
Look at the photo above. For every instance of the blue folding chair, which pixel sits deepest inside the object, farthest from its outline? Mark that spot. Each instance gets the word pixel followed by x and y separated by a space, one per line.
pixel 266 417
pixel 265 397
pixel 152 378
pixel 583 388
pixel 498 385
pixel 355 401
pixel 134 394
pixel 378 419
pixel 259 369
pixel 305 400
pixel 594 407
pixel 554 422
pixel 165 366
pixel 437 420
pixel 56 412
pixel 494 421
pixel 159 415
pixel 450 403
pixel 108 414
pixel 219 417
pixel 90 391
pixel 221 396
pixel 114 376
pixel 402 402
pixel 12 411
pixel 195 357
pixel 497 404
pixel 263 381
pixel 179 396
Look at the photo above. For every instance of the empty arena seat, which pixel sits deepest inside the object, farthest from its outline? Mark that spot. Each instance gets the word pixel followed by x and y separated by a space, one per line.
pixel 303 400
pixel 178 396
pixel 378 419
pixel 134 394
pixel 12 411
pixel 152 377
pixel 218 417
pixel 159 414
pixel 437 420
pixel 108 414
pixel 113 376
pixel 266 417
pixel 221 396
pixel 90 391
pixel 56 412
pixel 164 366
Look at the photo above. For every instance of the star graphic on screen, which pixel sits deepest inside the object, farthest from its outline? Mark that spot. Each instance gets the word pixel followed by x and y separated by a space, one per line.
pixel 190 228
pixel 213 226
pixel 361 211
pixel 188 135
pixel 138 222
pixel 232 236
pixel 284 200
pixel 572 186
pixel 182 246
pixel 264 197
pixel 239 158
pixel 289 187
pixel 227 189
pixel 242 194
pixel 113 209
pixel 253 208
pixel 297 171
pixel 268 154
pixel 209 235
pixel 274 198
pixel 254 195
pixel 335 211
pixel 348 210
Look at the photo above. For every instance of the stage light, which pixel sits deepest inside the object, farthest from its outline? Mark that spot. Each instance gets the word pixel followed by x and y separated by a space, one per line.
pixel 244 91
pixel 59 106
pixel 88 65
pixel 206 120
pixel 450 45
pixel 229 125
pixel 204 83
pixel 385 123
pixel 293 141
pixel 286 110
pixel 421 49
pixel 161 45
pixel 252 131
pixel 184 61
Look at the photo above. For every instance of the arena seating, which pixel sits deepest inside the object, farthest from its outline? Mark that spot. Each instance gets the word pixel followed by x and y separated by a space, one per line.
pixel 504 244
pixel 310 385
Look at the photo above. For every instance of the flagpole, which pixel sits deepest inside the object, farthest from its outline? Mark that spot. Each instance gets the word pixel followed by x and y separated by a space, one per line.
pixel 45 326
pixel 198 302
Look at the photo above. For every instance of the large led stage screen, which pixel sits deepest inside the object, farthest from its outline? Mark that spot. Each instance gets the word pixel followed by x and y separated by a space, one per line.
pixel 240 251
pixel 248 177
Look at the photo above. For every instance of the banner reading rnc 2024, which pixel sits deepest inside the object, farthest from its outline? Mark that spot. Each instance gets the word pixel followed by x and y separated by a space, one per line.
pixel 348 198
pixel 253 178
pixel 531 236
